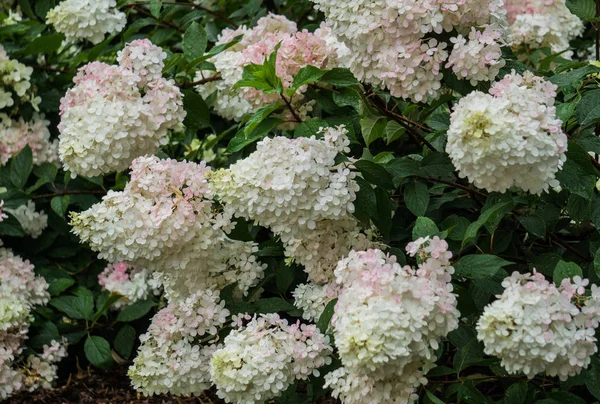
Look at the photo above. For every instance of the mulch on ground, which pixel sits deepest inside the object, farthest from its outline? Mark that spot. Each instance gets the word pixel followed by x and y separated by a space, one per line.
pixel 103 387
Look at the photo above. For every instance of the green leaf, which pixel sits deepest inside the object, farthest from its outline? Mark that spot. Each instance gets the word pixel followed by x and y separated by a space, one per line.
pixel 262 77
pixel 372 128
pixel 284 276
pixel 44 335
pixel 307 75
pixel 534 224
pixel 310 127
pixel 432 398
pixel 375 173
pixel 11 227
pixel 259 116
pixel 325 317
pixel 155 7
pixel 573 76
pixel 340 78
pixel 438 165
pixel 20 167
pixel 97 351
pixel 194 43
pixel 597 262
pixel 76 307
pixel 479 266
pixel 240 140
pixel 60 204
pixel 348 97
pixel 587 111
pixel 578 174
pixel 584 9
pixel 491 214
pixel 416 197
pixel 592 381
pixel 45 44
pixel 124 341
pixel 565 270
pixel 366 202
pixel 198 114
pixel 42 7
pixel 516 394
pixel 424 227
pixel 393 131
pixel 135 310
pixel 273 305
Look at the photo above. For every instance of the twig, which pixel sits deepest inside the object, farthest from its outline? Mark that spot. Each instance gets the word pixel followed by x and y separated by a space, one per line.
pixel 200 82
pixel 50 69
pixel 196 6
pixel 65 192
pixel 456 185
pixel 566 246
pixel 289 105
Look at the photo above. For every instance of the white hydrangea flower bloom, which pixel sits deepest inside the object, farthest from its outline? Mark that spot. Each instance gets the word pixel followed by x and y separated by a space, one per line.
pixel 32 222
pixel 312 298
pixel 169 359
pixel 87 19
pixel 535 327
pixel 389 320
pixel 117 113
pixel 510 137
pixel 164 221
pixel 261 360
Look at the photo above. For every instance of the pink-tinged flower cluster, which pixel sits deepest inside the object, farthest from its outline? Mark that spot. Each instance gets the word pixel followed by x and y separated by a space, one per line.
pixel 389 320
pixel 164 221
pixel 542 23
pixel 297 50
pixel 172 357
pixel 35 134
pixel 296 188
pixel 261 360
pixel 20 291
pixel 131 283
pixel 535 327
pixel 391 44
pixel 510 137
pixel 117 113
pixel 477 57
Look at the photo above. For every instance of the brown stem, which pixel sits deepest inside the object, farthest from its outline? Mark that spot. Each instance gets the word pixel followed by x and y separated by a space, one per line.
pixel 61 193
pixel 50 69
pixel 200 82
pixel 196 6
pixel 404 122
pixel 456 185
pixel 289 105
pixel 566 246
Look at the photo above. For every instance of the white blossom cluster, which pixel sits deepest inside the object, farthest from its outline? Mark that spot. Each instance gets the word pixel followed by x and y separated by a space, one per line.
pixel 20 291
pixel 542 23
pixel 261 360
pixel 389 320
pixel 15 82
pixel 171 358
pixel 297 49
pixel 32 222
pixel 87 19
pixel 117 113
pixel 510 137
pixel 392 43
pixel 535 327
pixel 131 283
pixel 295 187
pixel 312 298
pixel 35 134
pixel 164 221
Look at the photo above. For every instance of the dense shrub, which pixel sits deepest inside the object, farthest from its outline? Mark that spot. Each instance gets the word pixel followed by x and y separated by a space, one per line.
pixel 379 201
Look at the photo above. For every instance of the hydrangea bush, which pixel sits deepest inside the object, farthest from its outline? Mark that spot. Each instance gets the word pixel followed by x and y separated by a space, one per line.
pixel 306 200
